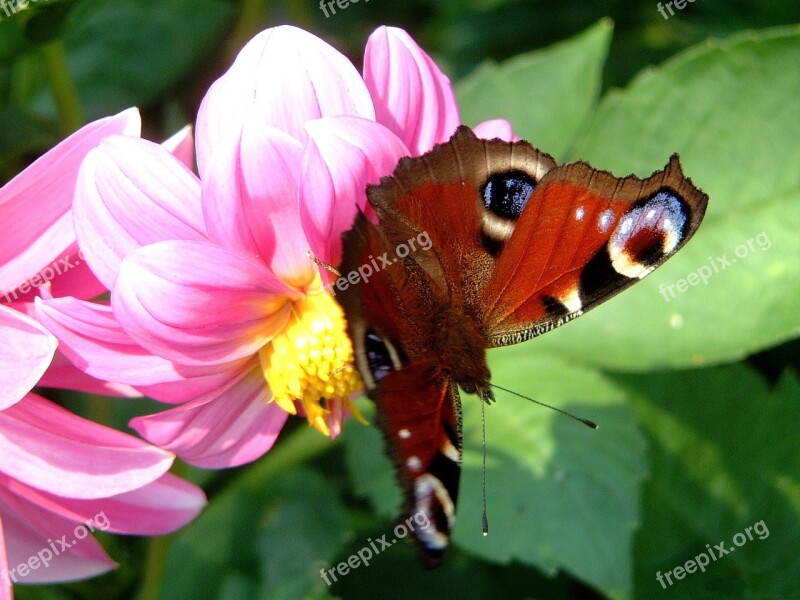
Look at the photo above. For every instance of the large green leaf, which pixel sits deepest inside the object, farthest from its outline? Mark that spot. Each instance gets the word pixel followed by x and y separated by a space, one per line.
pixel 731 111
pixel 371 471
pixel 396 573
pixel 130 52
pixel 560 496
pixel 546 94
pixel 724 457
pixel 274 536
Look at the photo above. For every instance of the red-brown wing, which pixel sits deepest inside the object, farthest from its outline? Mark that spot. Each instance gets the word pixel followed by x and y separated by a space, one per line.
pixel 583 236
pixel 419 412
pixel 439 194
pixel 418 406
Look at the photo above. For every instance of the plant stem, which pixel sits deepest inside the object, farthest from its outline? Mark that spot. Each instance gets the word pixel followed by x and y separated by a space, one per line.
pixel 154 565
pixel 248 23
pixel 298 447
pixel 65 94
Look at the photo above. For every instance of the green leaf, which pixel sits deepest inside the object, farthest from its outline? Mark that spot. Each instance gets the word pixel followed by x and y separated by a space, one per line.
pixel 559 495
pixel 48 21
pixel 731 111
pixel 123 53
pixel 396 573
pixel 371 471
pixel 724 458
pixel 546 94
pixel 277 533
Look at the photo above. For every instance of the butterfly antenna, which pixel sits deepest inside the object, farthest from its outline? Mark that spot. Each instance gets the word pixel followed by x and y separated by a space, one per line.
pixel 339 370
pixel 322 264
pixel 586 422
pixel 483 427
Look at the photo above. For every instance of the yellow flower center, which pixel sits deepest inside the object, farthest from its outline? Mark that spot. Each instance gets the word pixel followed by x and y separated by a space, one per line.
pixel 311 361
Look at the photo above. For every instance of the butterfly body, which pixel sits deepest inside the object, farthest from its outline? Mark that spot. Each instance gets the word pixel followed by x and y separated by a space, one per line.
pixel 518 246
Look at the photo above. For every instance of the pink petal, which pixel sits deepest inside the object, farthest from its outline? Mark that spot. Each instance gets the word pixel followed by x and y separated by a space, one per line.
pixel 197 303
pixel 30 530
pixel 412 96
pixel 68 275
pixel 25 352
pixel 92 338
pixel 495 128
pixel 344 155
pixel 35 206
pixel 157 508
pixel 224 430
pixel 182 146
pixel 62 374
pixel 283 77
pixel 51 449
pixel 131 193
pixel 250 202
pixel 5 580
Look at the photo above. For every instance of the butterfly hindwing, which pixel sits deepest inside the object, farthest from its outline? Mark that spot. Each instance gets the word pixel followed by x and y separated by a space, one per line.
pixel 419 412
pixel 418 406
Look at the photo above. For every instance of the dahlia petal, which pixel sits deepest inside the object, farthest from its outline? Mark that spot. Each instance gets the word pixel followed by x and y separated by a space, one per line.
pixel 131 193
pixel 62 374
pixel 29 530
pixel 250 202
pixel 283 77
pixel 51 449
pixel 181 145
pixel 5 580
pixel 93 340
pixel 157 508
pixel 343 156
pixel 68 275
pixel 25 353
pixel 46 189
pixel 225 430
pixel 198 303
pixel 412 96
pixel 75 278
pixel 495 128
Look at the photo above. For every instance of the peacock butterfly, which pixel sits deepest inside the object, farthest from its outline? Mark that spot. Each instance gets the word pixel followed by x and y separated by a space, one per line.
pixel 519 246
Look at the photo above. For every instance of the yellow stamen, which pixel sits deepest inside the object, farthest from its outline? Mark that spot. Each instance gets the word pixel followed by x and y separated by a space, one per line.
pixel 309 360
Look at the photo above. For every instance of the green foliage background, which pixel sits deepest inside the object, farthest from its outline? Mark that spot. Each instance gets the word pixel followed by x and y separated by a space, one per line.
pixel 697 396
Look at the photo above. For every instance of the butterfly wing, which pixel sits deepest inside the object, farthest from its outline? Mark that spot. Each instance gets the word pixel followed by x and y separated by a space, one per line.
pixel 419 413
pixel 582 237
pixel 526 245
pixel 418 406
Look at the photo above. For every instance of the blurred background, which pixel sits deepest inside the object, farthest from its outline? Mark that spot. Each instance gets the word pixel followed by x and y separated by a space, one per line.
pixel 698 437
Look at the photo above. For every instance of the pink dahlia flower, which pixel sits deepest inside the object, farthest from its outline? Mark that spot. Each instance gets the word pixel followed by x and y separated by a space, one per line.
pixel 215 304
pixel 61 476
pixel 39 254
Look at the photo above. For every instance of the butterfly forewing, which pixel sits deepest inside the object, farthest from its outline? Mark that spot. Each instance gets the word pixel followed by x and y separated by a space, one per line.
pixel 584 236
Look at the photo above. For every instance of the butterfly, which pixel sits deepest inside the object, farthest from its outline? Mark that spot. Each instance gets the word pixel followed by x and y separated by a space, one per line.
pixel 518 246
